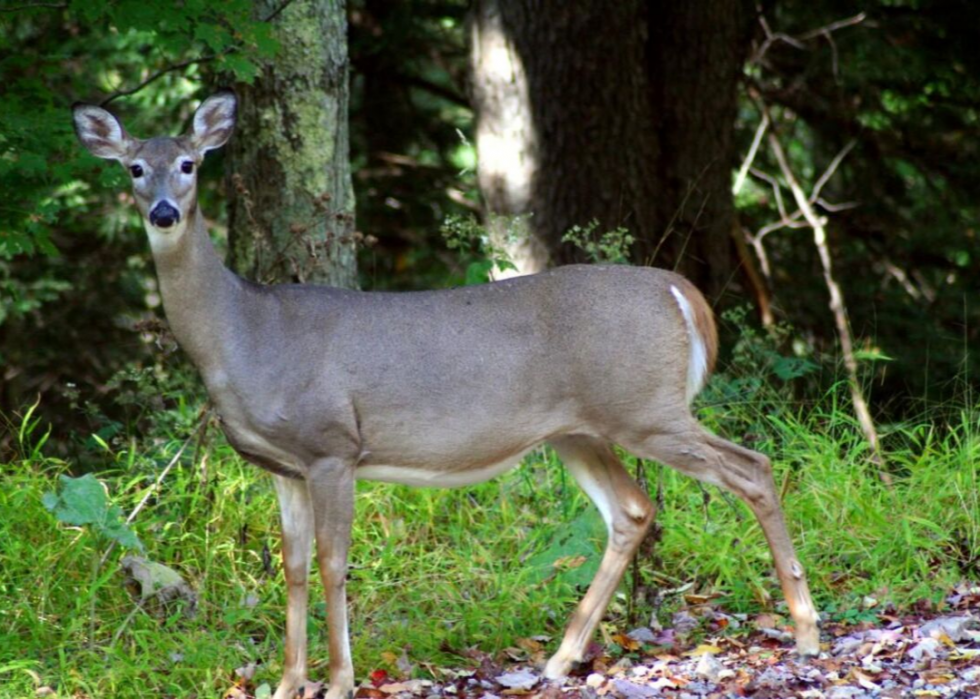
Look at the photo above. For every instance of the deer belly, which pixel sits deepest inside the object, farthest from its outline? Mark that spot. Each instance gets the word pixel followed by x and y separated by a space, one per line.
pixel 436 477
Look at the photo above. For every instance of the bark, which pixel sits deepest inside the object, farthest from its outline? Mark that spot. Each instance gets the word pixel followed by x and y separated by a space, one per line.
pixel 563 121
pixel 620 113
pixel 694 59
pixel 292 210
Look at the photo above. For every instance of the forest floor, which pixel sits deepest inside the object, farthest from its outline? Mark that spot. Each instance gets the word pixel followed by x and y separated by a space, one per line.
pixel 706 653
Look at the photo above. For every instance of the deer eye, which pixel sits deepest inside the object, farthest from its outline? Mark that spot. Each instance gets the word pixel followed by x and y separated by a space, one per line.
pixel 136 171
pixel 187 167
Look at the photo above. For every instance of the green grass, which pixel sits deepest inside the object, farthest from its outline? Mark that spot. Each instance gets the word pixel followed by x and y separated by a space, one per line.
pixel 436 570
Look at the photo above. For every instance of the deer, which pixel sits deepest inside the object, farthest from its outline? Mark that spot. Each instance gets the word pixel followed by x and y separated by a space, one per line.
pixel 324 386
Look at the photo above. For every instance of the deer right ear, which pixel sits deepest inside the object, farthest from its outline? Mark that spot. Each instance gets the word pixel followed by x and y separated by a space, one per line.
pixel 100 131
pixel 214 121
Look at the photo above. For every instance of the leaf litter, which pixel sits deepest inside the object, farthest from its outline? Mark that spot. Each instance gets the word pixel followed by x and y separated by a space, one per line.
pixel 707 654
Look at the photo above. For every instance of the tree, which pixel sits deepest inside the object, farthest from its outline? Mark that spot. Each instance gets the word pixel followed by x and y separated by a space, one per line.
pixel 292 202
pixel 616 113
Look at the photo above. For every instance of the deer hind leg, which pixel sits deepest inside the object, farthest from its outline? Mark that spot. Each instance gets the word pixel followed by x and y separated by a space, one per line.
pixel 748 474
pixel 296 514
pixel 627 512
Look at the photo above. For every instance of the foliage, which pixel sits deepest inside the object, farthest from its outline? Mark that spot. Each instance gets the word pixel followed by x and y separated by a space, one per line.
pixel 470 240
pixel 83 501
pixel 900 83
pixel 610 247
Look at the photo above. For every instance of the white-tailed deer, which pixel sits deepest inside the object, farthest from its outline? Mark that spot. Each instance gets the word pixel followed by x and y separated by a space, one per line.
pixel 323 386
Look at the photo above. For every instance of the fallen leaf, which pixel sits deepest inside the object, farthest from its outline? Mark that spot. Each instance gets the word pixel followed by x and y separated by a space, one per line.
pixel 625 642
pixel 519 679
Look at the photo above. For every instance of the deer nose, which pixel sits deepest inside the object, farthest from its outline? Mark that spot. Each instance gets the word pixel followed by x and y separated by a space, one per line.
pixel 163 215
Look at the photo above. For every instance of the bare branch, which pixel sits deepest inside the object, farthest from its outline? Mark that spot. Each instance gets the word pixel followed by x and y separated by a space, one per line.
pixel 799 42
pixel 834 26
pixel 776 187
pixel 275 12
pixel 837 306
pixel 750 158
pixel 156 76
pixel 36 6
pixel 834 208
pixel 185 64
pixel 831 169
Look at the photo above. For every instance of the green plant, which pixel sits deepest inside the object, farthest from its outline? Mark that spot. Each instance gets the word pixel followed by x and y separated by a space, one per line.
pixel 473 243
pixel 609 247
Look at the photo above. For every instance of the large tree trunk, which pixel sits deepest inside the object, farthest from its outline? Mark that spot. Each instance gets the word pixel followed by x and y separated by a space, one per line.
pixel 695 53
pixel 620 113
pixel 292 212
pixel 563 121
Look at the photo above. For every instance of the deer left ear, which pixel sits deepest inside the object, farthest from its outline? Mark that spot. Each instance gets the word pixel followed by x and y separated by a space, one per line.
pixel 214 121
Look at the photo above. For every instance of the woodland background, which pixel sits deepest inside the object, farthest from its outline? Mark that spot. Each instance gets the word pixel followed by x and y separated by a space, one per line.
pixel 414 144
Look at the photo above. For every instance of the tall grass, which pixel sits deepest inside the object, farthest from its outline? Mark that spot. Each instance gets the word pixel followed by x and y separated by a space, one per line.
pixel 437 571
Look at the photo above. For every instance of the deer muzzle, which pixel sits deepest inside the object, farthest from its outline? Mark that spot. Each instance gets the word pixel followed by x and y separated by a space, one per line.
pixel 164 215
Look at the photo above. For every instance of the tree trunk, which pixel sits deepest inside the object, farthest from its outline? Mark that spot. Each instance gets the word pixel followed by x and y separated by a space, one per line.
pixel 563 120
pixel 292 211
pixel 695 53
pixel 619 113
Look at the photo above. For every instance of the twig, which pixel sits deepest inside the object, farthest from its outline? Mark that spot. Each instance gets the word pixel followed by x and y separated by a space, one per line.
pixel 39 5
pixel 185 64
pixel 799 41
pixel 776 191
pixel 275 13
pixel 837 306
pixel 159 74
pixel 831 169
pixel 750 158
pixel 834 26
pixel 203 420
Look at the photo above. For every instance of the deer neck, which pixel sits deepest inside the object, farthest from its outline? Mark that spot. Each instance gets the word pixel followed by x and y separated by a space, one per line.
pixel 201 296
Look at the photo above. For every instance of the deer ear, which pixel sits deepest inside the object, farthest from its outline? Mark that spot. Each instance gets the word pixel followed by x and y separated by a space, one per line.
pixel 214 121
pixel 100 131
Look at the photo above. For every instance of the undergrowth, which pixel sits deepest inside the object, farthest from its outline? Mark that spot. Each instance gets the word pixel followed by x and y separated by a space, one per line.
pixel 434 572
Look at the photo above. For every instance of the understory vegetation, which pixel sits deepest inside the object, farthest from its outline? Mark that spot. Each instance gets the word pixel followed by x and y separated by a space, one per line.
pixel 435 572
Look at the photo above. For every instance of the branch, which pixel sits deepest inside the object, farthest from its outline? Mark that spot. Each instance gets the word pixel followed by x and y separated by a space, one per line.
pixel 750 158
pixel 837 306
pixel 831 169
pixel 34 6
pixel 798 42
pixel 834 26
pixel 275 12
pixel 204 419
pixel 156 76
pixel 184 64
pixel 445 93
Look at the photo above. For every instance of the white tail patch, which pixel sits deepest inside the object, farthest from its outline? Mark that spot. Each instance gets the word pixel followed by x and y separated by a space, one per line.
pixel 697 367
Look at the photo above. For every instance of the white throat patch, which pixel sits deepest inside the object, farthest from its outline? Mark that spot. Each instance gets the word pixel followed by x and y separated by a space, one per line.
pixel 165 239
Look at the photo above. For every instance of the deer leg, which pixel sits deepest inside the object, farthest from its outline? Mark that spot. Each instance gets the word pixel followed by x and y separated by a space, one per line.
pixel 331 484
pixel 748 474
pixel 296 514
pixel 627 512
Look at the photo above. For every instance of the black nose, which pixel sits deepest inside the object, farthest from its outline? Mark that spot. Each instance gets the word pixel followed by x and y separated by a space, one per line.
pixel 163 215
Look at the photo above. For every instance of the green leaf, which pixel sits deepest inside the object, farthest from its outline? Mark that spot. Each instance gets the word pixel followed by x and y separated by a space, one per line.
pixel 788 368
pixel 478 272
pixel 50 501
pixel 82 501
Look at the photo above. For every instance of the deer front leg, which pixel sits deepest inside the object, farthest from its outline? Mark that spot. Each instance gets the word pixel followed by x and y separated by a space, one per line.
pixel 296 513
pixel 331 484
